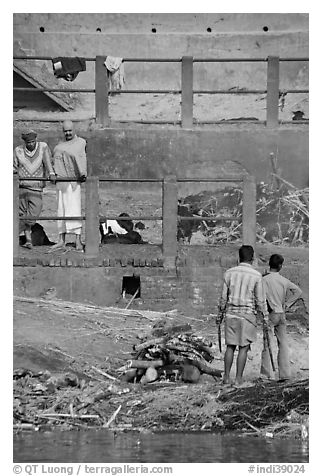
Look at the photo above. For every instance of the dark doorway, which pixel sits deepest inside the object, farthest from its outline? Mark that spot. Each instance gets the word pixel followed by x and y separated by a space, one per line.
pixel 130 285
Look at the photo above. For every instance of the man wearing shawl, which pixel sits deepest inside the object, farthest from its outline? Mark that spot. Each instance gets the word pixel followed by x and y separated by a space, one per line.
pixel 70 161
pixel 31 160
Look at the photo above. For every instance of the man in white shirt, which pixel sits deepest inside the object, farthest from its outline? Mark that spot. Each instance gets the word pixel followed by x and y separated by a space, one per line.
pixel 281 294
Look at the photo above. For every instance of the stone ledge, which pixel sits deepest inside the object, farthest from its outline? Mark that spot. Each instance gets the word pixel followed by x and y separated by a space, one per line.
pixel 84 262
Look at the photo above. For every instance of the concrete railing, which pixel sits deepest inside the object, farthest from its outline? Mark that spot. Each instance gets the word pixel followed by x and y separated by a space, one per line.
pixel 169 212
pixel 187 90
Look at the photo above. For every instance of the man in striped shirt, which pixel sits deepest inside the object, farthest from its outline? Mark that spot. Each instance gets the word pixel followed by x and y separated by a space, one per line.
pixel 31 160
pixel 242 297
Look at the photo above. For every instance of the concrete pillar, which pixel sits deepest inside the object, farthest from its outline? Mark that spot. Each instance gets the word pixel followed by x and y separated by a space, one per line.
pixel 15 219
pixel 101 91
pixel 92 218
pixel 169 223
pixel 272 99
pixel 187 92
pixel 249 210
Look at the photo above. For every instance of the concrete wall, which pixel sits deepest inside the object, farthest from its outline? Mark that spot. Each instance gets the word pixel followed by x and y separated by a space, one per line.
pixel 130 36
pixel 195 285
pixel 153 153
pixel 139 23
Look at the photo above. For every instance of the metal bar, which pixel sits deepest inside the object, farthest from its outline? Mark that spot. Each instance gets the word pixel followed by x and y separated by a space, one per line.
pixel 295 91
pixel 237 178
pixel 249 210
pixel 108 179
pixel 151 60
pixel 169 224
pixel 42 218
pixel 51 120
pixel 303 121
pixel 223 121
pixel 15 218
pixel 170 60
pixel 83 217
pixel 45 179
pixel 92 218
pixel 242 60
pixel 101 89
pixel 272 99
pixel 225 91
pixel 162 91
pixel 118 218
pixel 174 123
pixel 55 90
pixel 294 59
pixel 229 60
pixel 208 218
pixel 231 178
pixel 148 91
pixel 187 94
pixel 20 57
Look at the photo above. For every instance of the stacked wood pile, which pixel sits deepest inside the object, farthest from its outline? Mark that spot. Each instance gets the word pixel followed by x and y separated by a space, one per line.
pixel 171 352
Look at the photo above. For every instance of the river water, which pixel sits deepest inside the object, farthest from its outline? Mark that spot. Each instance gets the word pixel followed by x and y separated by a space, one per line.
pixel 103 446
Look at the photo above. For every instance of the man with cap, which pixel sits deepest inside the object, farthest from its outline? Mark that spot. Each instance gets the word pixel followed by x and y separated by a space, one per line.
pixel 70 162
pixel 31 160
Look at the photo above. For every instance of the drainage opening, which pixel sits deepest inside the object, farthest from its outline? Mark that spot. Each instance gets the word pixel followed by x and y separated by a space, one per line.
pixel 209 30
pixel 42 29
pixel 265 28
pixel 154 30
pixel 131 285
pixel 98 30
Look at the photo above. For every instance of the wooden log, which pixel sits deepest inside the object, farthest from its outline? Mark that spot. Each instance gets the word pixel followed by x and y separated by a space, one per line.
pixel 145 364
pixel 148 343
pixel 104 373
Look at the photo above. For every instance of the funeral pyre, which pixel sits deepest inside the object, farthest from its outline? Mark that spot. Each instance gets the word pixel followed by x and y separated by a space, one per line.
pixel 171 353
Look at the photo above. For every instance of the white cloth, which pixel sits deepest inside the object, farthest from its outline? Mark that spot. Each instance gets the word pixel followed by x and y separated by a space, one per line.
pixel 69 204
pixel 115 71
pixel 115 227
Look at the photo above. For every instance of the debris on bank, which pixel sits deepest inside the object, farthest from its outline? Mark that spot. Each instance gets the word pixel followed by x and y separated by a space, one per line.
pixel 282 214
pixel 185 395
pixel 275 409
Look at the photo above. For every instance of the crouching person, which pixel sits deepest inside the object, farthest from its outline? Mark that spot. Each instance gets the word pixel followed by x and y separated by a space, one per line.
pixel 119 231
pixel 241 298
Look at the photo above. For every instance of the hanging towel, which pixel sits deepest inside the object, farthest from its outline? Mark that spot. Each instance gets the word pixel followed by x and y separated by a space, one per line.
pixel 68 68
pixel 115 72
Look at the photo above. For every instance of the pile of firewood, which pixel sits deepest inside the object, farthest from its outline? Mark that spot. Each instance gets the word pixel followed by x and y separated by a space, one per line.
pixel 170 353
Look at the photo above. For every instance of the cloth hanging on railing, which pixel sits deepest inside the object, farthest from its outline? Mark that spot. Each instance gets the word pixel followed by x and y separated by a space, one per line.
pixel 115 72
pixel 68 68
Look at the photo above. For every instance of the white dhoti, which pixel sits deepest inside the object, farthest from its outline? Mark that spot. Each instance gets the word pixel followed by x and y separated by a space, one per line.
pixel 69 205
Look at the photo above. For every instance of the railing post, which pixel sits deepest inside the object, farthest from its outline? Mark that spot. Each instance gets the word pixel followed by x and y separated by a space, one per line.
pixel 272 99
pixel 187 92
pixel 249 210
pixel 92 218
pixel 101 91
pixel 15 220
pixel 169 220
